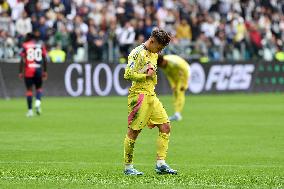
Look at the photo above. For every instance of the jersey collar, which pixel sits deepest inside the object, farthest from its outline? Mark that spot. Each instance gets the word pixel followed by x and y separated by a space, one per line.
pixel 144 46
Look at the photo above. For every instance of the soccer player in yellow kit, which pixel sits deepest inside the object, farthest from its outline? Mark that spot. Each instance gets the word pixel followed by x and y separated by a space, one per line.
pixel 177 71
pixel 144 108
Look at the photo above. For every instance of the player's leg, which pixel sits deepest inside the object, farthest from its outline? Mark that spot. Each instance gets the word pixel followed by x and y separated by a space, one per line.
pixel 162 148
pixel 179 99
pixel 174 117
pixel 29 95
pixel 137 118
pixel 163 141
pixel 129 143
pixel 160 119
pixel 38 84
pixel 179 103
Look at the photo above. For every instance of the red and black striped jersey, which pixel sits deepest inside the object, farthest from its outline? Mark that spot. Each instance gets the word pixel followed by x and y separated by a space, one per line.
pixel 33 54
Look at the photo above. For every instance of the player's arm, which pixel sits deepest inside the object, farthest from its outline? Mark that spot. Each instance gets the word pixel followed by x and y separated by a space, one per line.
pixel 22 63
pixel 131 72
pixel 21 69
pixel 184 78
pixel 44 59
pixel 171 81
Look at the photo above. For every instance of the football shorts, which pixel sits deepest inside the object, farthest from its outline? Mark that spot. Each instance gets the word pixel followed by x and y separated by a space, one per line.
pixel 145 110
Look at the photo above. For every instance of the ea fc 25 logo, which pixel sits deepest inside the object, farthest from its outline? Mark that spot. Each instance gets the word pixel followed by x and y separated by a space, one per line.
pixel 228 77
pixel 197 78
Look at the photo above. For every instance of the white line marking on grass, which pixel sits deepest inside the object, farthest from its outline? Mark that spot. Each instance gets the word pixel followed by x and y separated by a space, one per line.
pixel 144 164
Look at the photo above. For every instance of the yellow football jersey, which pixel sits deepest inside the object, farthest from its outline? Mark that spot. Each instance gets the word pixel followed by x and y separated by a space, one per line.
pixel 177 70
pixel 136 69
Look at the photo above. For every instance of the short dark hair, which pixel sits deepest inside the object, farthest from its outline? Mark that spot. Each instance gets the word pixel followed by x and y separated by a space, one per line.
pixel 161 36
pixel 29 36
pixel 160 59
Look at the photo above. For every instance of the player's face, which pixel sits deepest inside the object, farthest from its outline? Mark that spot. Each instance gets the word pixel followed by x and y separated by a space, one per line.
pixel 155 46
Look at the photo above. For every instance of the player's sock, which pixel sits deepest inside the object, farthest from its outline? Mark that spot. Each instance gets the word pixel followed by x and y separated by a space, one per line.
pixel 178 115
pixel 38 94
pixel 37 107
pixel 37 103
pixel 128 166
pixel 161 162
pixel 162 144
pixel 128 150
pixel 179 100
pixel 29 95
pixel 30 113
pixel 30 102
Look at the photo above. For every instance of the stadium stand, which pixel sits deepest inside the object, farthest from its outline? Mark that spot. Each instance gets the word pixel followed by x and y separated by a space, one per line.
pixel 105 30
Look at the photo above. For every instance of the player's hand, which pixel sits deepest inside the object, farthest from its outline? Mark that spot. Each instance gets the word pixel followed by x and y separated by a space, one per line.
pixel 21 75
pixel 150 71
pixel 44 76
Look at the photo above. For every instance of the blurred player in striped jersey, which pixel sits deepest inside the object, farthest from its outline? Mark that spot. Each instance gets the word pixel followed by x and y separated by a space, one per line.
pixel 177 71
pixel 144 108
pixel 33 69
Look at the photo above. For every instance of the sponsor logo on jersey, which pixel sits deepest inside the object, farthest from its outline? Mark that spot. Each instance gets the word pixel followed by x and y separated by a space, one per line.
pixel 131 65
pixel 34 65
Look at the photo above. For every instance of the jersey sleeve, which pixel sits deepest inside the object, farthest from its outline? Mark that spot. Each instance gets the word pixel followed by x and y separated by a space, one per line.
pixel 44 51
pixel 171 81
pixel 22 52
pixel 131 70
pixel 185 75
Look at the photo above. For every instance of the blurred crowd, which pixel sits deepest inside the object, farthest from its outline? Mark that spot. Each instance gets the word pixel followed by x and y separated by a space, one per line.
pixel 105 30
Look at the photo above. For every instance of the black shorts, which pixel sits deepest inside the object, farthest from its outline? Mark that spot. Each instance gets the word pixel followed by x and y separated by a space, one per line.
pixel 30 81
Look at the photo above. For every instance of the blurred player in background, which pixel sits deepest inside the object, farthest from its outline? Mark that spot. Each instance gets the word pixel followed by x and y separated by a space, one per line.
pixel 33 69
pixel 144 108
pixel 177 72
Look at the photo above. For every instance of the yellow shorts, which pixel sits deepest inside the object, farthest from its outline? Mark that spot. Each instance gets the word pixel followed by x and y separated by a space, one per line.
pixel 145 110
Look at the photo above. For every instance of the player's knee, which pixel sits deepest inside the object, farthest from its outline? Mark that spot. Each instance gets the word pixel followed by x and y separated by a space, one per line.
pixel 133 134
pixel 29 93
pixel 39 90
pixel 165 128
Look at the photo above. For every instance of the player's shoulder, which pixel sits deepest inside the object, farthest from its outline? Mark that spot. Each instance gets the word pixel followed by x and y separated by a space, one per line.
pixel 26 44
pixel 172 56
pixel 31 44
pixel 138 51
pixel 39 44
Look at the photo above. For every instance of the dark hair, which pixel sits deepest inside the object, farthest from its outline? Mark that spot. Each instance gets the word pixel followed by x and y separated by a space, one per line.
pixel 161 36
pixel 160 59
pixel 29 36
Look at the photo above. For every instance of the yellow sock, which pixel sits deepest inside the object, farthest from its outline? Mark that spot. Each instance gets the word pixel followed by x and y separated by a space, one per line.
pixel 128 150
pixel 179 100
pixel 162 144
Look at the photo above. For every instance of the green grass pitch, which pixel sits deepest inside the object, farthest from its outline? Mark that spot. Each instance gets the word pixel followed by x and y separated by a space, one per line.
pixel 224 141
